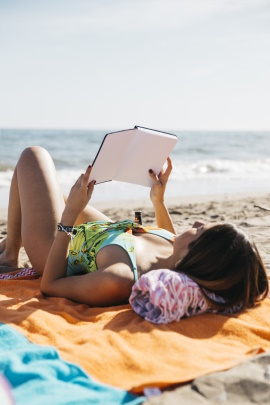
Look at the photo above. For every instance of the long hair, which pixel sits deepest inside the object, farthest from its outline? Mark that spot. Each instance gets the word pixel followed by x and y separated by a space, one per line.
pixel 225 261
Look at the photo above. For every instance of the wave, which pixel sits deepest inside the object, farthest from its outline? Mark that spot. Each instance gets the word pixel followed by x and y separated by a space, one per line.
pixel 5 178
pixel 207 169
pixel 4 167
pixel 211 176
pixel 221 168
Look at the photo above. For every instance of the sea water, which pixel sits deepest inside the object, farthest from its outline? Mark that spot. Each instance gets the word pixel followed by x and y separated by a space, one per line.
pixel 204 162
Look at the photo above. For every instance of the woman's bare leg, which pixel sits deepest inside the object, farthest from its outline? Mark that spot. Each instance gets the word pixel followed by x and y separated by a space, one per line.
pixel 91 214
pixel 35 206
pixel 42 204
pixel 10 246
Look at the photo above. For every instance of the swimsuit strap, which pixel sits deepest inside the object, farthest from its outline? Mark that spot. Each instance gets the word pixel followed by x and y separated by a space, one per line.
pixel 93 236
pixel 120 234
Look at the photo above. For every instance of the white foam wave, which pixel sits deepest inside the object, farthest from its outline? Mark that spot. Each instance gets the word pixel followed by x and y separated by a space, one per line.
pixel 226 169
pixel 66 177
pixel 5 178
pixel 203 169
pixel 188 178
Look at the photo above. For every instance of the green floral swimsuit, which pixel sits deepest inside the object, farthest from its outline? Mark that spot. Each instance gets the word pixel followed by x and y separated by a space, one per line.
pixel 93 236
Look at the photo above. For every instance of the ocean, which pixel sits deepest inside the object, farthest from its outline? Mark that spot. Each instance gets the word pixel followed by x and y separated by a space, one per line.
pixel 205 163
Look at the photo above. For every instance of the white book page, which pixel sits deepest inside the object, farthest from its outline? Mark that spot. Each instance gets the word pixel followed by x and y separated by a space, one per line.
pixel 146 151
pixel 110 155
pixel 128 155
pixel 156 133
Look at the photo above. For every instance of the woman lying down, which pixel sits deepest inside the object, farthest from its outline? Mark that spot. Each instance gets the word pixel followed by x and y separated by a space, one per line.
pixel 84 256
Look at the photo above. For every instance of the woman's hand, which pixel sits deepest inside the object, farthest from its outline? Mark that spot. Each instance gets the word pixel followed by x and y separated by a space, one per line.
pixel 157 197
pixel 79 197
pixel 159 183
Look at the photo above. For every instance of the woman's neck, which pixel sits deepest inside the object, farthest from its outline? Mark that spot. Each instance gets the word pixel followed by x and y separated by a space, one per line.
pixel 164 263
pixel 153 253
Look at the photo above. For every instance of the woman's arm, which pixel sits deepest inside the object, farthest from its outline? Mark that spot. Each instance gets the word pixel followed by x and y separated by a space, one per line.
pixel 56 264
pixel 105 287
pixel 109 285
pixel 157 197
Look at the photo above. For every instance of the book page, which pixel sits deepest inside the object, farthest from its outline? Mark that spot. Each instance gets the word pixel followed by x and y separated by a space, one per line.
pixel 155 132
pixel 110 155
pixel 128 155
pixel 147 150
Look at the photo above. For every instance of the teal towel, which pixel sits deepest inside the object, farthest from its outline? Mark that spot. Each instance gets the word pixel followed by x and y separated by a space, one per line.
pixel 38 375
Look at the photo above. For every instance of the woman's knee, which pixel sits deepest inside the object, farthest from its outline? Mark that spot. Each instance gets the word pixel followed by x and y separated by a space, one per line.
pixel 34 156
pixel 35 151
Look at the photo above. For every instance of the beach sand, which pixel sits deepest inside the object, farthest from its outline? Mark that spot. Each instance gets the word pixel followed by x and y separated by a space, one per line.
pixel 252 213
pixel 243 210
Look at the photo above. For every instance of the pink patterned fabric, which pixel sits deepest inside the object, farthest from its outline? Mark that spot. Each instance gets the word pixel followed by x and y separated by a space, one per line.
pixel 162 296
pixel 21 273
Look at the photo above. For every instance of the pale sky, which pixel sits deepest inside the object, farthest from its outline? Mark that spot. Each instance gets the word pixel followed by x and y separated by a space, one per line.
pixel 113 64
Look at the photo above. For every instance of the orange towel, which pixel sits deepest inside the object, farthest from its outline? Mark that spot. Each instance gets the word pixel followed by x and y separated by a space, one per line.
pixel 117 347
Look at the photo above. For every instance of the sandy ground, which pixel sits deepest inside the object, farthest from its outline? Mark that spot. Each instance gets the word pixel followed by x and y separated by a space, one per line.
pixel 250 212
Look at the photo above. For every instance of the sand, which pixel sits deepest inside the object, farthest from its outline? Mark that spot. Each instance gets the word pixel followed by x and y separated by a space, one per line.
pixel 252 213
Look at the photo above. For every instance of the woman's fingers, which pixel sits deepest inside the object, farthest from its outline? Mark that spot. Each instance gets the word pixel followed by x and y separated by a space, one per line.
pixel 161 171
pixel 88 170
pixel 153 176
pixel 78 181
pixel 84 178
pixel 82 181
pixel 169 165
pixel 87 174
pixel 90 188
pixel 163 175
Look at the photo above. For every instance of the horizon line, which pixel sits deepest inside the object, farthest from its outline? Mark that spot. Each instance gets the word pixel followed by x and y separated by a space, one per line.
pixel 117 129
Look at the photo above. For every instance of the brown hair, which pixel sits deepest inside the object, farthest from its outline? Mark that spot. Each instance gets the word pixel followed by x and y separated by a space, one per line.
pixel 225 261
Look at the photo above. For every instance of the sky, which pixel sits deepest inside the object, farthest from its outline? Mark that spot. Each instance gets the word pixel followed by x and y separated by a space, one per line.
pixel 113 64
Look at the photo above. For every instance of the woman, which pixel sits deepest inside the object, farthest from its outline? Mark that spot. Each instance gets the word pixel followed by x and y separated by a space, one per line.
pixel 220 258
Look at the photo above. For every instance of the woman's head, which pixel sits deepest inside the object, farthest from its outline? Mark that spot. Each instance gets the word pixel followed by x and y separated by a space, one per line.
pixel 224 260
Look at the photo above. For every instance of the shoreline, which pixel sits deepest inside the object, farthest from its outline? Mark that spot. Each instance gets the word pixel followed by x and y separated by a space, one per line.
pixel 170 201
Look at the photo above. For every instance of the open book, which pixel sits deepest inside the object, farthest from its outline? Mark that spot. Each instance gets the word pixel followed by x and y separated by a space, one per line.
pixel 128 155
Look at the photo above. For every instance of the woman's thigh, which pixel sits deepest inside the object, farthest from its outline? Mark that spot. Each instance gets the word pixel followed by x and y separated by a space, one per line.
pixel 90 214
pixel 42 203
